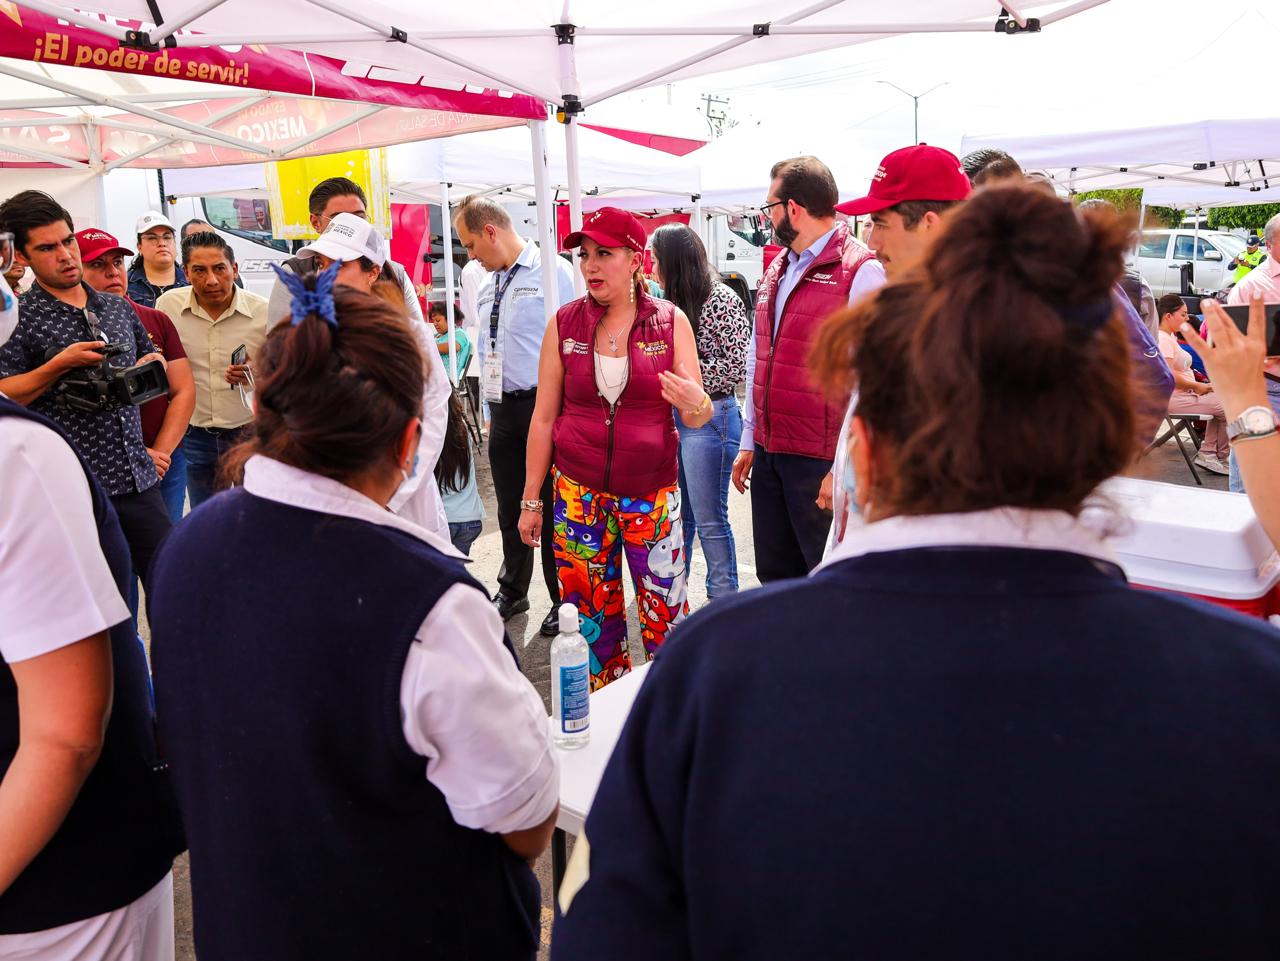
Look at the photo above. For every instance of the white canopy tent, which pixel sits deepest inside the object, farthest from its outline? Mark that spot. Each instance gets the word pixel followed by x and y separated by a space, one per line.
pixel 1241 154
pixel 573 55
pixel 1200 198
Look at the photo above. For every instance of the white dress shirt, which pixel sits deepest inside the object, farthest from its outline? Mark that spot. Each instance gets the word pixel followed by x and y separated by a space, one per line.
pixel 467 710
pixel 1016 527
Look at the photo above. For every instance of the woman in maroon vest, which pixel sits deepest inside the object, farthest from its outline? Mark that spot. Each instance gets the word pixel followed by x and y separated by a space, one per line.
pixel 613 365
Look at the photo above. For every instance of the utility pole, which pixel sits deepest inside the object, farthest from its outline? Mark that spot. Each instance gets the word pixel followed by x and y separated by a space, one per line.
pixel 915 99
pixel 716 120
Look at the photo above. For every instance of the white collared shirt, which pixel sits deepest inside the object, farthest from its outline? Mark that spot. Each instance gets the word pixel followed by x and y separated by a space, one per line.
pixel 1014 527
pixel 466 708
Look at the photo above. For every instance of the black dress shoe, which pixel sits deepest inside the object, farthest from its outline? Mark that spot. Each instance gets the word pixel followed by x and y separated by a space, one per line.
pixel 551 623
pixel 509 607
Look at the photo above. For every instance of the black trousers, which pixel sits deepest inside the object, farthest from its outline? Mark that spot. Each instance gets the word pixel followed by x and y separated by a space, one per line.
pixel 790 529
pixel 509 431
pixel 145 522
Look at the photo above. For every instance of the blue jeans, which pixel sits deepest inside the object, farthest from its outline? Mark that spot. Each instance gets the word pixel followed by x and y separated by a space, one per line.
pixel 204 449
pixel 706 467
pixel 173 486
pixel 464 533
pixel 1235 483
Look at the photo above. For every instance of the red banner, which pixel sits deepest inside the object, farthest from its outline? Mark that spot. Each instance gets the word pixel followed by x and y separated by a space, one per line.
pixel 45 39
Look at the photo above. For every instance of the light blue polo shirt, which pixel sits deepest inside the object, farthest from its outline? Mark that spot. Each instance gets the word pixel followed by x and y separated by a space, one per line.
pixel 522 319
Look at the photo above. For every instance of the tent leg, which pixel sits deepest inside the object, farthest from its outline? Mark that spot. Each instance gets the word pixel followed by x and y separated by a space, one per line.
pixel 546 217
pixel 446 239
pixel 699 227
pixel 575 193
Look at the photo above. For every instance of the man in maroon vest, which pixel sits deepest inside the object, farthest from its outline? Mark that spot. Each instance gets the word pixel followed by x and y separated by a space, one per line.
pixel 789 430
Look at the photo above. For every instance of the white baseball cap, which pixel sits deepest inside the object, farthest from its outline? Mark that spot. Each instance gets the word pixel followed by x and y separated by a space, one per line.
pixel 349 237
pixel 152 219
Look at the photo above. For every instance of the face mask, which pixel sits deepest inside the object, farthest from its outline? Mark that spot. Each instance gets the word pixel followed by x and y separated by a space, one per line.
pixel 784 233
pixel 8 311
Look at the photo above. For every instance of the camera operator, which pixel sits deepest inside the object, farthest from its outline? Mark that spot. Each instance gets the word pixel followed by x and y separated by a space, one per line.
pixel 64 325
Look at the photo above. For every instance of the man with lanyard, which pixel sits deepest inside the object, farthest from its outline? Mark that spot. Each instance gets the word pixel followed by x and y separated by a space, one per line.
pixel 1249 258
pixel 788 428
pixel 64 327
pixel 515 306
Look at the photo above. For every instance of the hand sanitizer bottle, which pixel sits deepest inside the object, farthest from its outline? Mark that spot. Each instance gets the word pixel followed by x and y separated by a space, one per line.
pixel 570 683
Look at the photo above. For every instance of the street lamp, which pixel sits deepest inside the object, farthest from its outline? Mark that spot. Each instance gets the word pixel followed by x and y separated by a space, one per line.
pixel 915 97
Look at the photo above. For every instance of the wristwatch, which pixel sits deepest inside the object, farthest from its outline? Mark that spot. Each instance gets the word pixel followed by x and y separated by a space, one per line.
pixel 1253 423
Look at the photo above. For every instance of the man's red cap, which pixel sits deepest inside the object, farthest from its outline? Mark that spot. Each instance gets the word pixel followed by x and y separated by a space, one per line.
pixel 921 172
pixel 94 243
pixel 609 227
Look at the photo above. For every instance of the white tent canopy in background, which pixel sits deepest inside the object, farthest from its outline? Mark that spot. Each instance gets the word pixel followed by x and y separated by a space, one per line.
pixel 1242 155
pixel 1191 196
pixel 496 162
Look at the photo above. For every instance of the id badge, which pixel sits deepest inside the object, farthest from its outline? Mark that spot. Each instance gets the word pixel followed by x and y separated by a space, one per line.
pixel 491 381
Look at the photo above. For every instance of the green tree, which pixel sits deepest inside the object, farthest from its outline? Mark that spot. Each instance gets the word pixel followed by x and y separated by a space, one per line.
pixel 1248 217
pixel 1130 200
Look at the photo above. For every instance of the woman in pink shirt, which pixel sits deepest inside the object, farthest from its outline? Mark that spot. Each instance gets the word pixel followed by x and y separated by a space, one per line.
pixel 1190 396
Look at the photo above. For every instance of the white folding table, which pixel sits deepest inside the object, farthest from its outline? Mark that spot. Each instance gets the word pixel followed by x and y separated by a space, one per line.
pixel 582 768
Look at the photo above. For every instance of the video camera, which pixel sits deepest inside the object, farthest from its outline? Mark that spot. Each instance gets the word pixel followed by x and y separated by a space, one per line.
pixel 105 386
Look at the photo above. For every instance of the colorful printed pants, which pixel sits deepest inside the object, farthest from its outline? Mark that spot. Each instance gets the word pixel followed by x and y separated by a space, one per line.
pixel 592 530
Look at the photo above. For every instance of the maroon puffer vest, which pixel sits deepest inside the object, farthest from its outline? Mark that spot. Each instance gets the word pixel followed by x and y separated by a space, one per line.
pixel 630 450
pixel 792 416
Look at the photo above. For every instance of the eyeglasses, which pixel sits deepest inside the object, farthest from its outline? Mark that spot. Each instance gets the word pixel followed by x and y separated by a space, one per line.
pixel 6 252
pixel 764 209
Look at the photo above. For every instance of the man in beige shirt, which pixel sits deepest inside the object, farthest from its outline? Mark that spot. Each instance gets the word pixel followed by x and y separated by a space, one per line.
pixel 214 317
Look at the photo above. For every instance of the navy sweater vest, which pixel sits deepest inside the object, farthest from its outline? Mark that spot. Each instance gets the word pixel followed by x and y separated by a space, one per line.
pixel 280 637
pixel 121 834
pixel 988 754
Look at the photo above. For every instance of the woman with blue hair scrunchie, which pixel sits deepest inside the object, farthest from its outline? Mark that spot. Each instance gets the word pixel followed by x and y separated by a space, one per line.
pixel 361 768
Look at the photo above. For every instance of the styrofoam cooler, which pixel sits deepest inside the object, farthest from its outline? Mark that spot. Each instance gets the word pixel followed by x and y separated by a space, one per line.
pixel 1202 543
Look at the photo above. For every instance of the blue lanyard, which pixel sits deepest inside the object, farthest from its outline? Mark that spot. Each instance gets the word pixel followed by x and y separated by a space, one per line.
pixel 498 292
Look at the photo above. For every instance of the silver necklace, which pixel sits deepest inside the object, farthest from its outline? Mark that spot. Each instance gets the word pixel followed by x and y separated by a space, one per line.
pixel 613 338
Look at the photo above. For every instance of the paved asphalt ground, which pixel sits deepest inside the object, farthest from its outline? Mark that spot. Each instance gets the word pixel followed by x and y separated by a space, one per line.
pixel 1164 464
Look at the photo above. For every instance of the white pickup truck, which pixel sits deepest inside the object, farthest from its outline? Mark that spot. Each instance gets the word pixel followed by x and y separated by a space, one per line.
pixel 1163 253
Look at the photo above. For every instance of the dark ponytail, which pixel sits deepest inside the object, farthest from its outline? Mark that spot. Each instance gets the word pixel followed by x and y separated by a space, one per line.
pixel 334 400
pixel 998 375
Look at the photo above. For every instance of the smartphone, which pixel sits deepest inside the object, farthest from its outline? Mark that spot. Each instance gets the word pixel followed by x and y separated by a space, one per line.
pixel 1240 314
pixel 239 355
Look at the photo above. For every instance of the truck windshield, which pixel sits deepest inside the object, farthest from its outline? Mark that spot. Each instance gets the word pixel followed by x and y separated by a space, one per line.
pixel 749 228
pixel 248 219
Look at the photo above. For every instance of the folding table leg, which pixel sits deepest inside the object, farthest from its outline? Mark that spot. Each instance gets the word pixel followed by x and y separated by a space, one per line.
pixel 559 860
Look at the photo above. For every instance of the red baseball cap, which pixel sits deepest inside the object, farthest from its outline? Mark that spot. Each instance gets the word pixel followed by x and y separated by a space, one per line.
pixel 94 243
pixel 921 172
pixel 609 227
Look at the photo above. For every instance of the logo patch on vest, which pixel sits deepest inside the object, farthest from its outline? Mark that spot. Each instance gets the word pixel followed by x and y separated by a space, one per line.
pixel 652 348
pixel 571 346
pixel 817 277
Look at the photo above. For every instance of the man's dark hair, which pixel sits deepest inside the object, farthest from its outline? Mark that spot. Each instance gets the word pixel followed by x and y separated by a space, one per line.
pixel 913 211
pixel 206 238
pixel 192 222
pixel 29 210
pixel 326 190
pixel 807 181
pixel 987 164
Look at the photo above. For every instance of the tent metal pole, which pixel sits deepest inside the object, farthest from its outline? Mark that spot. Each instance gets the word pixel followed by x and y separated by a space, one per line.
pixel 331 129
pixel 575 194
pixel 80 19
pixel 446 240
pixel 167 29
pixel 696 217
pixel 166 98
pixel 713 52
pixel 161 144
pixel 46 157
pixel 124 105
pixel 545 217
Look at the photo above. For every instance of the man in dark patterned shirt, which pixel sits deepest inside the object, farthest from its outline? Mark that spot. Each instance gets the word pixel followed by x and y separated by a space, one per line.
pixel 63 324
